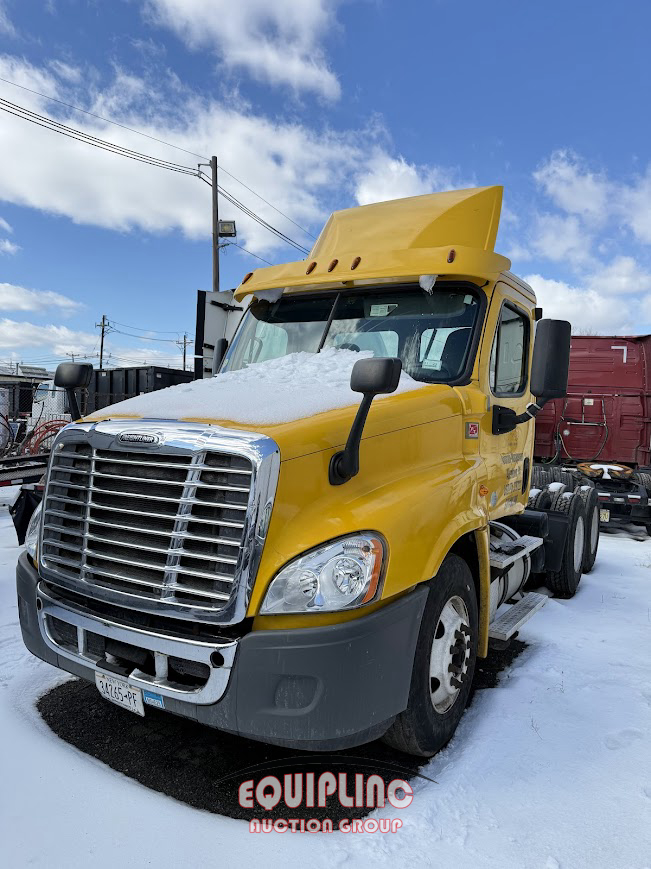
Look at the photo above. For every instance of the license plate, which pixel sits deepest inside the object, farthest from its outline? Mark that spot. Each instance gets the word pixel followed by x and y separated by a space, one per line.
pixel 120 692
pixel 604 515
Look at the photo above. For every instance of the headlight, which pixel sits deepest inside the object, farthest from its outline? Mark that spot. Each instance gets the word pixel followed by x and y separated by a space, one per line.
pixel 337 576
pixel 31 538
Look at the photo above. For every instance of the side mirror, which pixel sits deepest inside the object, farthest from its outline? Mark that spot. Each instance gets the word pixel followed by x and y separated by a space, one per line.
pixel 71 376
pixel 376 376
pixel 550 366
pixel 371 377
pixel 551 359
pixel 221 346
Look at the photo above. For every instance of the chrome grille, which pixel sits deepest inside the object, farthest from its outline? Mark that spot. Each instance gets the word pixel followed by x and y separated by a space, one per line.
pixel 163 527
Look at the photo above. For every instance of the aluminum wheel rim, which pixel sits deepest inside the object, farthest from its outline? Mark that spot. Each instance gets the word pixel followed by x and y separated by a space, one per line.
pixel 450 654
pixel 579 543
pixel 594 529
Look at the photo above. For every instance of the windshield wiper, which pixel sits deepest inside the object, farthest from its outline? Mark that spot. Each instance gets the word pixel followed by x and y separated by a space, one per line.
pixel 331 317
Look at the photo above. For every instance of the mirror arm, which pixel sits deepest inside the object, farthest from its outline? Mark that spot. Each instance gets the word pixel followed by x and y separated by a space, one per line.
pixel 505 419
pixel 344 465
pixel 532 411
pixel 75 413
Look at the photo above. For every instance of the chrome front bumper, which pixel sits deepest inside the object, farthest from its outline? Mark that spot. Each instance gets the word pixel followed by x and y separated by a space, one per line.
pixel 161 645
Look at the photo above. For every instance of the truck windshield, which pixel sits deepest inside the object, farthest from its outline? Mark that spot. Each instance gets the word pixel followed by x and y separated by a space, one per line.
pixel 430 333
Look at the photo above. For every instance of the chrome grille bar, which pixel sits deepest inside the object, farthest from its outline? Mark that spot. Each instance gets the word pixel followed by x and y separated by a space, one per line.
pixel 173 528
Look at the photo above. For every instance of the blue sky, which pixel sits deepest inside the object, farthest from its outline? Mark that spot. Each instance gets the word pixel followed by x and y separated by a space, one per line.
pixel 315 105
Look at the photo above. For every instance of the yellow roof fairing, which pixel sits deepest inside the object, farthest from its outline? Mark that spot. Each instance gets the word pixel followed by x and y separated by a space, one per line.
pixel 398 241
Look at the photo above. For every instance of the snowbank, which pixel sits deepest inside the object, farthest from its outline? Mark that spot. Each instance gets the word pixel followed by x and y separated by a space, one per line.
pixel 279 390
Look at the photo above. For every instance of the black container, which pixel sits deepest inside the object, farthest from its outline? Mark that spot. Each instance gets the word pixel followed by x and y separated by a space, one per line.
pixel 115 384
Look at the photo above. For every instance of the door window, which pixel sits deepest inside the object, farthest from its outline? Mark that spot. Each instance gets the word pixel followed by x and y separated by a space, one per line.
pixel 509 356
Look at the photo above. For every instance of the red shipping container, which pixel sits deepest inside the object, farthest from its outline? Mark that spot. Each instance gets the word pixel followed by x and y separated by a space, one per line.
pixel 606 415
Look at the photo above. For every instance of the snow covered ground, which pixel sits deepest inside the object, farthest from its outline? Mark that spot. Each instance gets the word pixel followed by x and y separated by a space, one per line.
pixel 550 770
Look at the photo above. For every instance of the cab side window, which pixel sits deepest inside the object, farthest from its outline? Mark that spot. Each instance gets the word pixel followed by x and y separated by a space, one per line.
pixel 509 356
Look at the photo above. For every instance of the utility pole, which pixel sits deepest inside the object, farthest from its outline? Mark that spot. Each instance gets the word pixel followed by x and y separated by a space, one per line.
pixel 184 343
pixel 215 226
pixel 103 325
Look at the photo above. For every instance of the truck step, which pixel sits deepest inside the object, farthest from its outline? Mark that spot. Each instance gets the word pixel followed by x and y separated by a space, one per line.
pixel 517 614
pixel 507 553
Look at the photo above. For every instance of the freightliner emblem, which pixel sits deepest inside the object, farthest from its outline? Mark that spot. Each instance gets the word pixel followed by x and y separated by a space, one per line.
pixel 136 437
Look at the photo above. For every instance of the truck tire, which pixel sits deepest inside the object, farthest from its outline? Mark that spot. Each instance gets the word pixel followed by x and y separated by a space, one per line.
pixel 588 495
pixel 444 663
pixel 645 480
pixel 541 476
pixel 564 582
pixel 542 500
pixel 566 477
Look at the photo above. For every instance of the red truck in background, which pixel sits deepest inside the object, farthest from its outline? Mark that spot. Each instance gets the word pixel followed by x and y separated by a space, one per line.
pixel 600 434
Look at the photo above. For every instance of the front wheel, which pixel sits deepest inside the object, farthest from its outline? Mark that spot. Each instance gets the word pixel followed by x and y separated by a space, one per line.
pixel 444 663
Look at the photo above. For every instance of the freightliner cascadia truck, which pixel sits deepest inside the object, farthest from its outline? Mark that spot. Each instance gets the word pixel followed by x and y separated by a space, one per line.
pixel 313 547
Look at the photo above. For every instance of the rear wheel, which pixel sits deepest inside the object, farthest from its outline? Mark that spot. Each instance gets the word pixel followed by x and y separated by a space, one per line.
pixel 645 480
pixel 540 477
pixel 588 495
pixel 564 582
pixel 444 663
pixel 567 478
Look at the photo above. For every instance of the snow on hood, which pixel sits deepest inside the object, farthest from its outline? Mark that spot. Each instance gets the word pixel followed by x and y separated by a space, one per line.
pixel 265 393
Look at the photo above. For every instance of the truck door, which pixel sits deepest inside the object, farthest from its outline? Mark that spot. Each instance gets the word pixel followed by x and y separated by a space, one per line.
pixel 508 457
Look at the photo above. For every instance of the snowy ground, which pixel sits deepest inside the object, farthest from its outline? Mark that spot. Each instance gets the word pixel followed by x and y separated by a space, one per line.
pixel 550 770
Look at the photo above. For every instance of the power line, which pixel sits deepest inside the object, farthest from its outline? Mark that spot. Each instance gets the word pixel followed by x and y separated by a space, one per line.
pixel 86 138
pixel 246 210
pixel 160 141
pixel 286 216
pixel 250 253
pixel 78 135
pixel 142 337
pixel 102 118
pixel 143 329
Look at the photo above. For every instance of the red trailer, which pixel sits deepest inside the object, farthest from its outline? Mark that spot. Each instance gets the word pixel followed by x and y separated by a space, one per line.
pixel 602 429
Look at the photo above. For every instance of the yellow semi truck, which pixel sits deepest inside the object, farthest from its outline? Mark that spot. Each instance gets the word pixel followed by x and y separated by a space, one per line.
pixel 268 554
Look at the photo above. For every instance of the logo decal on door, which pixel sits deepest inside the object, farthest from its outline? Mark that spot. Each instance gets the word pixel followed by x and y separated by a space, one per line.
pixel 472 430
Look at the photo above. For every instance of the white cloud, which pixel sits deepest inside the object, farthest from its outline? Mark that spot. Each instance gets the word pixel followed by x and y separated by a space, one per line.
pixel 561 239
pixel 635 205
pixel 5 226
pixel 622 276
pixel 292 166
pixel 389 177
pixel 5 24
pixel 518 253
pixel 573 187
pixel 589 310
pixel 59 340
pixel 301 170
pixel 595 197
pixel 275 42
pixel 8 247
pixel 13 298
